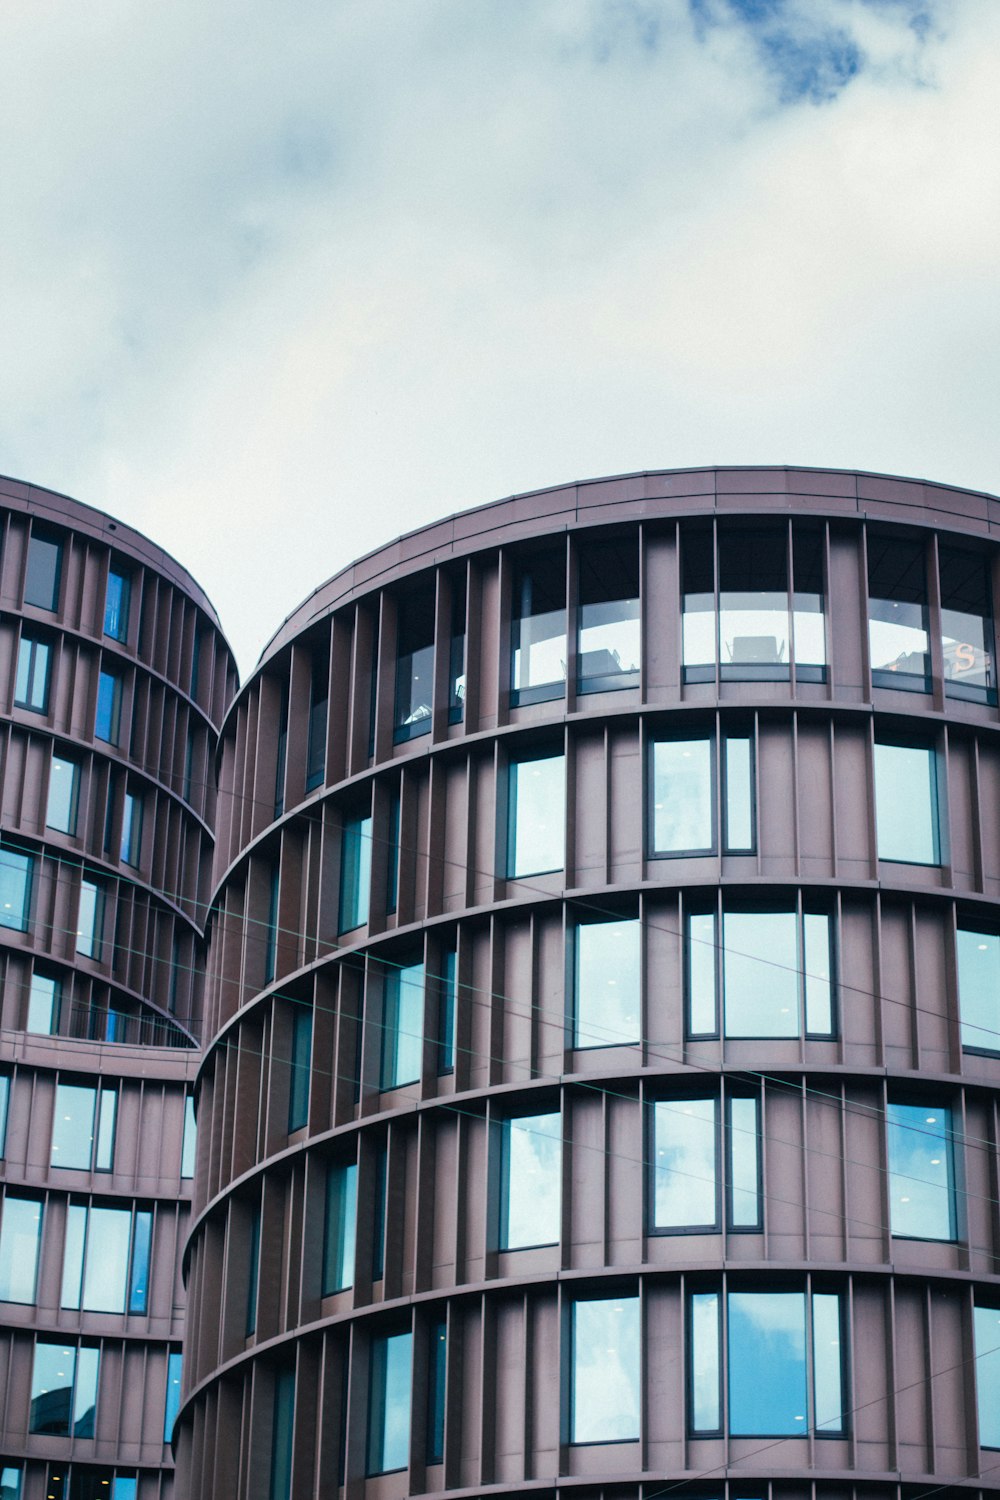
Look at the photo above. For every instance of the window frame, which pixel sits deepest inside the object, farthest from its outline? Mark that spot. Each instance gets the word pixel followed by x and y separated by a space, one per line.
pixel 724 1181
pixel 22 869
pixel 511 855
pixel 108 711
pixel 582 1441
pixel 117 611
pixel 938 801
pixel 34 660
pixel 718 961
pixel 505 1162
pixel 952 1187
pixel 33 571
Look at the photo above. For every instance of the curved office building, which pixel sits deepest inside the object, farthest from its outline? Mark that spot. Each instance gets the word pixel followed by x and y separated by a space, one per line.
pixel 114 677
pixel 604 1010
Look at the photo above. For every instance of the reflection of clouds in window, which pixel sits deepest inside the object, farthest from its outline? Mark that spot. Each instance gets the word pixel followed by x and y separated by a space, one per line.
pixel 682 795
pixel 533 1156
pixel 606 1371
pixel 685 1159
pixel 607 984
pixel 979 989
pixel 761 974
pixel 767 1330
pixel 706 1414
pixel 921 1197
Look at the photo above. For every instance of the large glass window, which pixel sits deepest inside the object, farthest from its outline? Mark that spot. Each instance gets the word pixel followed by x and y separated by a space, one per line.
pixel 271 930
pixel 116 605
pixel 20 1241
pixel 437 1366
pixel 44 1004
pixel 682 796
pixel 43 570
pixel 767 1330
pixel 190 1142
pixel 300 1068
pixel 319 702
pixel 340 1229
pixel 979 990
pixel 739 801
pixel 414 665
pixel 536 832
pixel 530 1181
pixel 538 628
pixel 607 966
pixel 402 1025
pixel 967 625
pixel 609 629
pixel 281 753
pixel 698 596
pixel 4 1105
pixel 986 1327
pixel 173 1397
pixel 447 1005
pixel 605 1371
pixel 907 817
pixel 921 1171
pixel 64 795
pixel 753 601
pixel 389 1403
pixel 897 612
pixel 456 652
pixel 130 846
pixel 355 872
pixel 90 920
pixel 281 1435
pixel 31 686
pixel 107 721
pixel 63 1389
pixel 695 1165
pixel 776 975
pixel 16 871
pixel 83 1127
pixel 106 1259
pixel 10 1482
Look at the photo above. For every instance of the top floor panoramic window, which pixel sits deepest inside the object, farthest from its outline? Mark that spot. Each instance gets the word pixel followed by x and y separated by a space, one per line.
pixel 609 629
pixel 897 613
pixel 414 665
pixel 538 629
pixel 43 571
pixel 967 626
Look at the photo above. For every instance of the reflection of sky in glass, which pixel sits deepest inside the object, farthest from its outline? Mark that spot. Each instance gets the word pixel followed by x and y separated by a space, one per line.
pixel 987 1334
pixel 684 1156
pixel 897 635
pixel 607 984
pixel 682 795
pixel 979 989
pixel 744 1177
pixel 739 795
pixel 538 792
pixel 20 1234
pixel 613 628
pixel 810 634
pixel 532 1175
pixel 392 1451
pixel 754 628
pixel 701 974
pixel 73 1126
pixel 107 1259
pixel 816 962
pixel 906 804
pixel 699 630
pixel 761 974
pixel 828 1394
pixel 706 1414
pixel 968 647
pixel 921 1191
pixel 605 1397
pixel 403 1040
pixel 540 654
pixel 767 1334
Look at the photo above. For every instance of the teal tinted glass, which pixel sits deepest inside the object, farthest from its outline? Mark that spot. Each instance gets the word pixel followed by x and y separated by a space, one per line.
pixel 605 1376
pixel 20 1241
pixel 340 1230
pixel 15 889
pixel 767 1331
pixel 537 816
pixel 683 820
pixel 987 1345
pixel 685 1164
pixel 607 1010
pixel 355 873
pixel 403 1026
pixel 921 1174
pixel 979 990
pixel 389 1403
pixel 531 1181
pixel 906 804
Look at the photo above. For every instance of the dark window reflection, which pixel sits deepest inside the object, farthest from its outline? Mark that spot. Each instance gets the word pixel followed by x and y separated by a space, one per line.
pixel 897 613
pixel 414 665
pixel 967 625
pixel 538 629
pixel 609 628
pixel 456 658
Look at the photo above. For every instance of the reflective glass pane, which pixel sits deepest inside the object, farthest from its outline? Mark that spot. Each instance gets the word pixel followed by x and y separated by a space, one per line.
pixel 897 606
pixel 987 1337
pixel 818 973
pixel 10 1482
pixel 253 1270
pixel 4 1102
pixel 109 706
pixel 389 1403
pixel 301 1063
pixel 64 782
pixel 906 804
pixel 683 800
pixel 739 792
pixel 319 690
pixel 704 1376
pixel 966 620
pixel 979 990
pixel 73 1126
pixel 90 919
pixel 537 816
pixel 15 889
pixel 753 598
pixel 355 873
pixel 20 1238
pixel 106 1270
pixel 124 1487
pixel 447 1000
pixel 605 1376
pixel 190 1138
pixel 43 1004
pixel 85 1394
pixel 116 603
pixel 74 1249
pixel 31 688
pixel 340 1229
pixel 921 1182
pixel 828 1385
pixel 698 575
pixel 403 1026
pixel 767 1332
pixel 106 1114
pixel 131 840
pixel 808 623
pixel 744 1208
pixel 608 643
pixel 539 624
pixel 531 1181
pixel 52 1377
pixel 281 1438
pixel 607 972
pixel 685 1157
pixel 761 974
pixel 437 1368
pixel 138 1284
pixel 173 1401
pixel 41 577
pixel 701 973
pixel 414 665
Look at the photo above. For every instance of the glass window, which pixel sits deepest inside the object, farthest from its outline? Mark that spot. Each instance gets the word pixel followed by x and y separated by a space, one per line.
pixel 967 625
pixel 538 629
pixel 530 1181
pixel 609 638
pixel 683 796
pixel 403 1025
pixel 921 1171
pixel 63 1389
pixel 906 804
pixel 142 1242
pixel 253 1271
pixel 777 975
pixel 340 1230
pixel 740 836
pixel 456 659
pixel 107 722
pixel 189 754
pixel 319 695
pixel 196 642
pixel 753 602
pixel 10 1482
pixel 769 1330
pixel 437 1364
pixel 281 758
pixel 979 990
pixel 537 816
pixel 190 1138
pixel 698 592
pixel 355 872
pixel 31 686
pixel 64 793
pixel 688 1157
pixel 41 576
pixel 897 612
pixel 271 934
pixel 414 665
pixel 83 1127
pixel 44 1004
pixel 20 1240
pixel 90 921
pixel 379 1208
pixel 281 1435
pixel 116 605
pixel 16 872
pixel 389 1403
pixel 392 854
pixel 808 605
pixel 98 1259
pixel 131 840
pixel 986 1328
pixel 607 968
pixel 301 1063
pixel 173 1400
pixel 4 1104
pixel 447 1001
pixel 605 1373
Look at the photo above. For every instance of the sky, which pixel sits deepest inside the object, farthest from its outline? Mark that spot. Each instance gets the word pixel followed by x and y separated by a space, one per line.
pixel 281 280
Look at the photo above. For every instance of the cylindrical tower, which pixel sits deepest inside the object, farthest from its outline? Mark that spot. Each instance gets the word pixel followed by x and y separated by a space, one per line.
pixel 601 1092
pixel 114 676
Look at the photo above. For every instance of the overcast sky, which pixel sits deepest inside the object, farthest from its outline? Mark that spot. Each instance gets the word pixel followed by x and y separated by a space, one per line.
pixel 281 280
